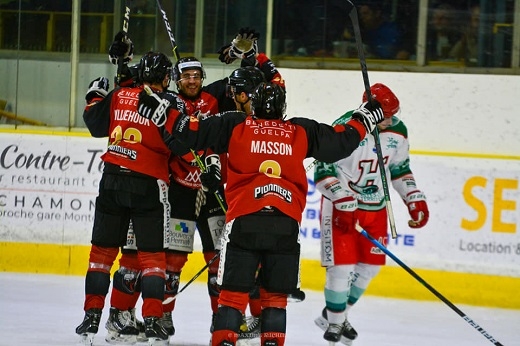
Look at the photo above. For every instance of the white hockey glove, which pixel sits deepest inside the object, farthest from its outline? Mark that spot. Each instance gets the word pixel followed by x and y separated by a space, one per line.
pixel 152 106
pixel 97 88
pixel 245 44
pixel 369 114
pixel 212 176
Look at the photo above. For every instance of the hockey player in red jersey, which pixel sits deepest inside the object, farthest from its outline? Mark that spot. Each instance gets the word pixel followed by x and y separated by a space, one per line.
pixel 133 187
pixel 194 204
pixel 266 194
pixel 353 192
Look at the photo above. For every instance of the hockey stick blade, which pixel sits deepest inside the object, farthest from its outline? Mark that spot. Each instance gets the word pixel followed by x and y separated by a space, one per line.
pixel 428 286
pixel 171 299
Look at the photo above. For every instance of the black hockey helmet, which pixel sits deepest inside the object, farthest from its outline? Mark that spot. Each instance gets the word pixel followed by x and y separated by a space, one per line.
pixel 244 79
pixel 185 64
pixel 154 67
pixel 268 101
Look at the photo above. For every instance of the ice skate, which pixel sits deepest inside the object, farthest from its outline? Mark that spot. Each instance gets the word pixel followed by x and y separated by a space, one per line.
pixel 333 333
pixel 251 328
pixel 141 337
pixel 155 332
pixel 167 323
pixel 121 327
pixel 296 297
pixel 89 327
pixel 349 333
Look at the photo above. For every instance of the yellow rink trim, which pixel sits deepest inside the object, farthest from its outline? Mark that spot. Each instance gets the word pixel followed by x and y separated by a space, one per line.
pixel 394 282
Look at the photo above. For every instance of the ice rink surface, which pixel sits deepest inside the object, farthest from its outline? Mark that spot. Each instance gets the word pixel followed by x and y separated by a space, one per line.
pixel 37 309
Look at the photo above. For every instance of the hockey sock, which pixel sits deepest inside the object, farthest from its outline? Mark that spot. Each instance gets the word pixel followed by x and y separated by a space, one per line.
pixel 124 290
pixel 227 325
pixel 97 280
pixel 274 322
pixel 153 265
pixel 255 304
pixel 213 289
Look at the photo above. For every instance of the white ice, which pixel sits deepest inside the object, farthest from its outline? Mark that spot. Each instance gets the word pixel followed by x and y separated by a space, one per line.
pixel 37 309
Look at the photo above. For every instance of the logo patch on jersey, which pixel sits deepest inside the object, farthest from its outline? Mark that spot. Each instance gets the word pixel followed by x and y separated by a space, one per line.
pixel 376 251
pixel 123 152
pixel 181 227
pixel 363 190
pixel 273 189
pixel 392 143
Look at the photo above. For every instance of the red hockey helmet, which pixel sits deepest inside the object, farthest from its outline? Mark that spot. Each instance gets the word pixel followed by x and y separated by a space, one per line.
pixel 389 102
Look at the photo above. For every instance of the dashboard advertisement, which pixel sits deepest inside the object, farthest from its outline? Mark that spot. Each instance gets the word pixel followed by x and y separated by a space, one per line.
pixel 49 183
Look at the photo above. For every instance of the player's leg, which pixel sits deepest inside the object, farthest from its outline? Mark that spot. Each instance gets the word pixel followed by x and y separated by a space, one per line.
pixel 108 234
pixel 150 217
pixel 210 225
pixel 339 255
pixel 122 323
pixel 237 274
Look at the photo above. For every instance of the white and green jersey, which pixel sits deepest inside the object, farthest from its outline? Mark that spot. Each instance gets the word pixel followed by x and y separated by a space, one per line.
pixel 359 173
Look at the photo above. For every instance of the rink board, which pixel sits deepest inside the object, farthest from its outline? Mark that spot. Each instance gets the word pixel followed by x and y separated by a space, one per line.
pixel 392 281
pixel 469 250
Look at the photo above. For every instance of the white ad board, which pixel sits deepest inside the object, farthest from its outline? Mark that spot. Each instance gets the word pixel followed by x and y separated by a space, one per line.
pixel 48 187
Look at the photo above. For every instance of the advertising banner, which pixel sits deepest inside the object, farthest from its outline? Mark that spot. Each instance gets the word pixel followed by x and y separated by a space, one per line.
pixel 48 187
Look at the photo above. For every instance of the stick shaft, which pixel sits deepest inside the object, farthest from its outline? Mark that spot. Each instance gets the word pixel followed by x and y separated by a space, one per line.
pixel 210 262
pixel 364 71
pixel 177 57
pixel 120 60
pixel 169 31
pixel 428 286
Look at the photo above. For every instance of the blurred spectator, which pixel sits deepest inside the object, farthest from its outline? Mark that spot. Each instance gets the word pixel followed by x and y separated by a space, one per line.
pixel 443 32
pixel 383 39
pixel 466 49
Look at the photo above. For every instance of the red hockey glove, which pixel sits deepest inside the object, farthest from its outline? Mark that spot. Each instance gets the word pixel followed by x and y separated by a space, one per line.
pixel 344 214
pixel 418 209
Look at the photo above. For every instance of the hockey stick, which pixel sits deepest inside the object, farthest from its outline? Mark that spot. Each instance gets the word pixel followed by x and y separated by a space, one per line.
pixel 428 286
pixel 361 55
pixel 120 60
pixel 169 30
pixel 171 299
pixel 177 57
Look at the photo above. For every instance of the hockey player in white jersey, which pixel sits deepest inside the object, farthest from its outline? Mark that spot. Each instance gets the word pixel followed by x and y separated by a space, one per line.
pixel 352 192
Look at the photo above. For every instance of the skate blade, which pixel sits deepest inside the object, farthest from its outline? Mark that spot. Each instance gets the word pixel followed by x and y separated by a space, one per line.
pixel 323 324
pixel 115 338
pixel 87 339
pixel 142 338
pixel 157 342
pixel 248 342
